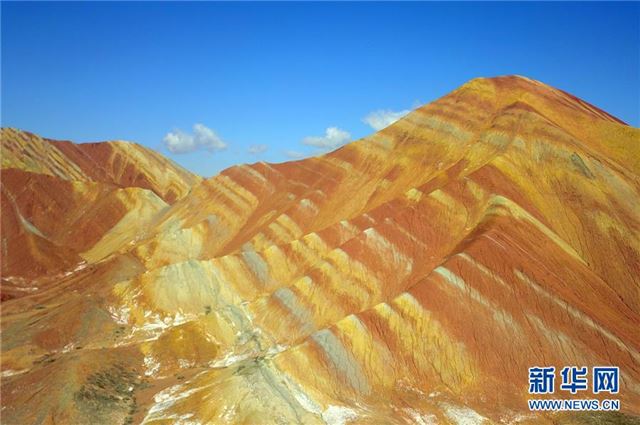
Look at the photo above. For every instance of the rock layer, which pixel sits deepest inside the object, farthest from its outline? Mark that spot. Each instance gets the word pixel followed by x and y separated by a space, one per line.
pixel 412 276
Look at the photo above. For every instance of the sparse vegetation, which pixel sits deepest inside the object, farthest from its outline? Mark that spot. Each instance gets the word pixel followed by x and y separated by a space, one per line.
pixel 119 332
pixel 110 391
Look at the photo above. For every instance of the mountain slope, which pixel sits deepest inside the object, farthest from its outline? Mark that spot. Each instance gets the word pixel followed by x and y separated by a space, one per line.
pixel 412 276
pixel 59 200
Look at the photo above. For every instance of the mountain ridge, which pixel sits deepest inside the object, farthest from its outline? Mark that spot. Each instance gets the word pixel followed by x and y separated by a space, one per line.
pixel 106 162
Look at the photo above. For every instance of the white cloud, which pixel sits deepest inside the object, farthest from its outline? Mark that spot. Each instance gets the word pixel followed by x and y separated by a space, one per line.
pixel 294 154
pixel 333 137
pixel 178 141
pixel 257 149
pixel 383 118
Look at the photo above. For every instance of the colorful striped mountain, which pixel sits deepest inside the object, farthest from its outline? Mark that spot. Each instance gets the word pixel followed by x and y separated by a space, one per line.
pixel 412 276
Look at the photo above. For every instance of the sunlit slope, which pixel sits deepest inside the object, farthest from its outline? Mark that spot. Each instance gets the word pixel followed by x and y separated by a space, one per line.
pixel 410 277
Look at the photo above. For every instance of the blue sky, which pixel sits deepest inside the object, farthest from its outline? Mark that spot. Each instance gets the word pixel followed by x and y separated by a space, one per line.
pixel 280 79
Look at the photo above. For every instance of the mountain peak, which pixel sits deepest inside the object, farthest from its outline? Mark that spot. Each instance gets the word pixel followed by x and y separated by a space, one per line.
pixel 516 86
